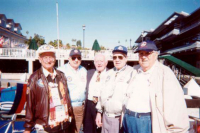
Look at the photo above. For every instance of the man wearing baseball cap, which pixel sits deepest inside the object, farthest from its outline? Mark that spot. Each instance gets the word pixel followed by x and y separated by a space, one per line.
pixel 113 93
pixel 155 102
pixel 48 106
pixel 76 81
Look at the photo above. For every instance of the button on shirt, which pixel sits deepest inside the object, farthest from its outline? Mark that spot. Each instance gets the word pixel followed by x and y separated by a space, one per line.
pixel 139 100
pixel 94 86
pixel 76 81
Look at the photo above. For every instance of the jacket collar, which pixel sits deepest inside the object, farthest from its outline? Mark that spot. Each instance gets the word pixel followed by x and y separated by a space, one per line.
pixel 41 76
pixel 46 73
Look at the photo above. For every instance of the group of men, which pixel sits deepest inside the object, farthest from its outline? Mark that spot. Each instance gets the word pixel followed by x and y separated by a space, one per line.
pixel 146 98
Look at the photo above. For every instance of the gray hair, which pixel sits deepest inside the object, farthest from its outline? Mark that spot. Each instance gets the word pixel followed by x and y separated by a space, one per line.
pixel 101 54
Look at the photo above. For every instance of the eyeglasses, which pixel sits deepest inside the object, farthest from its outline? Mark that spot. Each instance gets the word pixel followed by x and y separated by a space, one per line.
pixel 50 58
pixel 145 53
pixel 74 58
pixel 119 57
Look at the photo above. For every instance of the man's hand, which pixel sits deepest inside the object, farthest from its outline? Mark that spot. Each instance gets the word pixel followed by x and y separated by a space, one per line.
pixel 98 120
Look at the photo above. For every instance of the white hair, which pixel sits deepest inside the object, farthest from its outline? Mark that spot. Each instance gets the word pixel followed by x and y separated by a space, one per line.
pixel 101 54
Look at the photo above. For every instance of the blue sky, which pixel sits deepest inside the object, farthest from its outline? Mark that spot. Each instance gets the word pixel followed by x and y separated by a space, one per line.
pixel 108 21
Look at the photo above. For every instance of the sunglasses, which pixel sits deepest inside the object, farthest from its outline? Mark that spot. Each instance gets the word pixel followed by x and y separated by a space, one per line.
pixel 74 58
pixel 119 57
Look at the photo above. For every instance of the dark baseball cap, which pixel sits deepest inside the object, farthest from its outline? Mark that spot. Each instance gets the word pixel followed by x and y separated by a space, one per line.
pixel 75 52
pixel 147 46
pixel 121 49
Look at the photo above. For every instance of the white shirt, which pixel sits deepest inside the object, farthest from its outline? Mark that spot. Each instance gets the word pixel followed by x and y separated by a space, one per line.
pixel 76 82
pixel 139 100
pixel 46 73
pixel 95 87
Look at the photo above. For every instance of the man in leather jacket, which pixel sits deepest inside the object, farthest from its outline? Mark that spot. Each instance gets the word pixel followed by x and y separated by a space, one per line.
pixel 48 106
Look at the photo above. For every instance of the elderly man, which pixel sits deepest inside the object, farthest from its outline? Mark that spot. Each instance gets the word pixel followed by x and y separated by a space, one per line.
pixel 94 83
pixel 155 98
pixel 48 104
pixel 76 81
pixel 113 92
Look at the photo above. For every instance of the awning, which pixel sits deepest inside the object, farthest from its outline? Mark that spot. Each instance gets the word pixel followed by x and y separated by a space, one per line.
pixel 195 71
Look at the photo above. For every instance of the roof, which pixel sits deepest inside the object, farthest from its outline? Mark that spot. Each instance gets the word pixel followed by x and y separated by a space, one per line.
pixel 11 32
pixel 18 25
pixel 194 15
pixel 10 21
pixel 195 71
pixel 168 22
pixel 2 15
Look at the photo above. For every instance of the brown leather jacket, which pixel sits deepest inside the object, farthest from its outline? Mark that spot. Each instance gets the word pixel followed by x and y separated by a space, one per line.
pixel 37 106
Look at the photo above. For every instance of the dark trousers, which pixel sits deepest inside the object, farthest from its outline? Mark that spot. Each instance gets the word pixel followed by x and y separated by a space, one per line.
pixel 89 123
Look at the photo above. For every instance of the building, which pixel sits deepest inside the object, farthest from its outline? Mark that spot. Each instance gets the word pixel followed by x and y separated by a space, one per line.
pixel 178 35
pixel 10 33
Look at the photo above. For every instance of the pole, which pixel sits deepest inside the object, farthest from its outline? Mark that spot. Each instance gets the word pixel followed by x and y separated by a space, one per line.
pixel 130 43
pixel 57 25
pixel 57 31
pixel 83 36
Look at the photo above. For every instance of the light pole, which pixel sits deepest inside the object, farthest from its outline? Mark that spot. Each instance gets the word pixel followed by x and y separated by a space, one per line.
pixel 130 43
pixel 83 36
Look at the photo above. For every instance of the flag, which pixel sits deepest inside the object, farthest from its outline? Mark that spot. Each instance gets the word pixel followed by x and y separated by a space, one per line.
pixel 1 41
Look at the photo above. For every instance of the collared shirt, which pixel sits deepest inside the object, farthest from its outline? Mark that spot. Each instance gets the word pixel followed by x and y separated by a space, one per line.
pixel 139 100
pixel 46 73
pixel 76 81
pixel 95 87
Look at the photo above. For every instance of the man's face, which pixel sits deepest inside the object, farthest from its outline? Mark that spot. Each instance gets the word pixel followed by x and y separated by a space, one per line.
pixel 47 60
pixel 147 59
pixel 119 60
pixel 75 61
pixel 100 63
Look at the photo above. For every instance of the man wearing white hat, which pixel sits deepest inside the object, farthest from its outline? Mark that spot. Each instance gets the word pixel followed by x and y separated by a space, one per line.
pixel 48 107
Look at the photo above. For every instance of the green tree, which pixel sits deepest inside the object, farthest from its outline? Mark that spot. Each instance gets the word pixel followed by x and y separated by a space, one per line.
pixel 28 41
pixel 68 46
pixel 55 44
pixel 78 43
pixel 39 39
pixel 102 48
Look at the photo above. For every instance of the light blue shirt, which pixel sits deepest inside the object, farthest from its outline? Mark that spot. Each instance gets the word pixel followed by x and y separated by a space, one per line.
pixel 76 81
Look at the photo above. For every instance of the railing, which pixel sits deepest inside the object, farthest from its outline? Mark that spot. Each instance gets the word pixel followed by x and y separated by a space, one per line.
pixel 14 53
pixel 190 27
pixel 182 74
pixel 17 53
pixel 173 32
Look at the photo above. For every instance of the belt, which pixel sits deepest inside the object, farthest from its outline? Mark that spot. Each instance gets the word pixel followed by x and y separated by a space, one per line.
pixel 112 115
pixel 135 114
pixel 76 104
